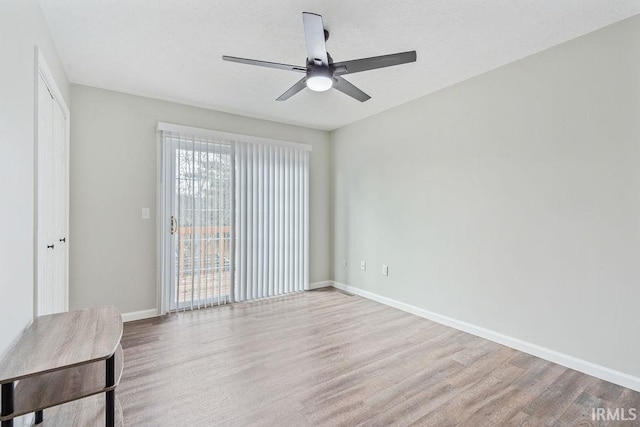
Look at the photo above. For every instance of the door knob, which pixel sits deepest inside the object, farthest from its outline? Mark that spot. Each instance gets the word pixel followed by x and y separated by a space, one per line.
pixel 50 246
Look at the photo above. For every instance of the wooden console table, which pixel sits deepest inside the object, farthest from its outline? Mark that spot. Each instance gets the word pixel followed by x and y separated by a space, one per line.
pixel 67 359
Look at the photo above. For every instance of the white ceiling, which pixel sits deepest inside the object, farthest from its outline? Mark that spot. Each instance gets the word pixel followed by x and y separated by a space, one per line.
pixel 171 49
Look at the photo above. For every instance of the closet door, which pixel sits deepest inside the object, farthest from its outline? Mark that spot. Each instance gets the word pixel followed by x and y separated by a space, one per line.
pixel 60 211
pixel 52 195
pixel 46 244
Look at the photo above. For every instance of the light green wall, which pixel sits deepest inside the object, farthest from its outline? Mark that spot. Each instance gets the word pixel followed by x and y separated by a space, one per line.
pixel 22 27
pixel 510 201
pixel 113 176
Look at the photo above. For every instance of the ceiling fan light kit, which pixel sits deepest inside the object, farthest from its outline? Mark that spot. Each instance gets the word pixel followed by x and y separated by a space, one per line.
pixel 319 80
pixel 321 73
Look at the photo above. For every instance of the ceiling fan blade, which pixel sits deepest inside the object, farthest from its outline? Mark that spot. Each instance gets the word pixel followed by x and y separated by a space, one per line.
pixel 314 34
pixel 347 88
pixel 301 84
pixel 265 64
pixel 364 64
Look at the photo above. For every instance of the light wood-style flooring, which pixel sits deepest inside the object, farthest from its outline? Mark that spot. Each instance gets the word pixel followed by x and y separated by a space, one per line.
pixel 325 358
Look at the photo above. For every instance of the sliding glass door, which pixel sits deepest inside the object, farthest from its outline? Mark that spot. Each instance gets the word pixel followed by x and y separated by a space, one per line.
pixel 201 240
pixel 234 218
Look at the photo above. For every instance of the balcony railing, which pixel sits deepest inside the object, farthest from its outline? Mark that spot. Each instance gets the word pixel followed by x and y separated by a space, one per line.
pixel 203 265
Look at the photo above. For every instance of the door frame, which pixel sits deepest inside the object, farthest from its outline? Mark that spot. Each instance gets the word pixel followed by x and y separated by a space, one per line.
pixel 41 70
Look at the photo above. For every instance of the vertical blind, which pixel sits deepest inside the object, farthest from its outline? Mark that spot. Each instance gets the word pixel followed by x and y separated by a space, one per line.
pixel 239 218
pixel 272 220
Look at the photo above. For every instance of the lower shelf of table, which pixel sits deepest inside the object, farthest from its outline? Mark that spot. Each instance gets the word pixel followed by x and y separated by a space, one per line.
pixel 89 411
pixel 55 388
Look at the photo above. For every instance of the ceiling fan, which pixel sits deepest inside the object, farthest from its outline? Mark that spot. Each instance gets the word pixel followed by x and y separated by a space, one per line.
pixel 321 73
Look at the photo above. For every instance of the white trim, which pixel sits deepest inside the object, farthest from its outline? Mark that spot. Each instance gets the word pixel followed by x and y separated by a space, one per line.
pixel 48 78
pixel 139 315
pixel 566 360
pixel 227 136
pixel 318 285
pixel 26 420
pixel 163 223
pixel 160 218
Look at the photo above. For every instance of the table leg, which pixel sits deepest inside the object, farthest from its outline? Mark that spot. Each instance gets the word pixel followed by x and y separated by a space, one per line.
pixel 7 403
pixel 39 417
pixel 110 395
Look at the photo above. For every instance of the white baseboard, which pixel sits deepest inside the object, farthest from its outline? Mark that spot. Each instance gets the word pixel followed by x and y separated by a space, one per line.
pixel 139 315
pixel 152 312
pixel 318 285
pixel 27 420
pixel 580 365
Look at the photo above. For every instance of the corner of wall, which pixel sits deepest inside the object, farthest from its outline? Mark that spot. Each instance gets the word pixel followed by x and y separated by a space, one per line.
pixel 332 212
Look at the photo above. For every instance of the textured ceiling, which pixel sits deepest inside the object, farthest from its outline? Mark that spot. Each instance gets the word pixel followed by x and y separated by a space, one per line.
pixel 171 49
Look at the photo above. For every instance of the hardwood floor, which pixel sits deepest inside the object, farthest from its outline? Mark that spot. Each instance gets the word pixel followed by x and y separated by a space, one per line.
pixel 327 358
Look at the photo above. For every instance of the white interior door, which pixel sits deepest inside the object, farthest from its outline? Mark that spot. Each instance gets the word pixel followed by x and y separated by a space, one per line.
pixel 60 296
pixel 52 205
pixel 46 245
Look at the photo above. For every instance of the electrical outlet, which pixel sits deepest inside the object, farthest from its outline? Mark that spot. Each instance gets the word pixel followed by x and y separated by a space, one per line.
pixel 363 265
pixel 385 270
pixel 146 213
pixel 344 263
